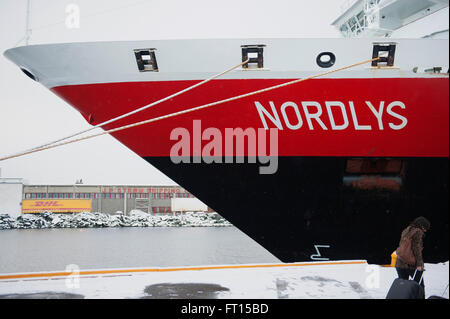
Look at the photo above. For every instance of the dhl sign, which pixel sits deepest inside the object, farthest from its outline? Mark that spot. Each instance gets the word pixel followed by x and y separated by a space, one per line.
pixel 56 205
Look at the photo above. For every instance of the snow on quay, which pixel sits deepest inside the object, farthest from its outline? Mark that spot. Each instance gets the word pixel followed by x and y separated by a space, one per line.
pixel 136 218
pixel 317 280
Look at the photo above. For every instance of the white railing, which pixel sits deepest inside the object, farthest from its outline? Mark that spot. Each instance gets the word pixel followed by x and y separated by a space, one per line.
pixel 370 4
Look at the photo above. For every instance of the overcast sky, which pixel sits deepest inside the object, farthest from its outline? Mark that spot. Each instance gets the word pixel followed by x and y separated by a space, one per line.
pixel 31 115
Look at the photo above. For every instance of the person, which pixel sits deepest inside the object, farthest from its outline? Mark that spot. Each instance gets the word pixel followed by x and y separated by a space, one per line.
pixel 414 232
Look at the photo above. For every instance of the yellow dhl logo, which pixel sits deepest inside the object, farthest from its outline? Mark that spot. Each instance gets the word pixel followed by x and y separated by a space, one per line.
pixel 56 206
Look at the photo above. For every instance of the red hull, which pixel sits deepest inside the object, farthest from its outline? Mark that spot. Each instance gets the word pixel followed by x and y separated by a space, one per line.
pixel 420 129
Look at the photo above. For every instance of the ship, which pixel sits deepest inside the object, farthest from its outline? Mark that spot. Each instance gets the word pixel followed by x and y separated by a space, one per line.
pixel 330 168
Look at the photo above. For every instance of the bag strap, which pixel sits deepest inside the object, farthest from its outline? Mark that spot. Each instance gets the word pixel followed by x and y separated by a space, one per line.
pixel 421 277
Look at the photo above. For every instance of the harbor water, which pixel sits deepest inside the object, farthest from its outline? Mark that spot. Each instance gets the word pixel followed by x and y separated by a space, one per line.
pixel 35 250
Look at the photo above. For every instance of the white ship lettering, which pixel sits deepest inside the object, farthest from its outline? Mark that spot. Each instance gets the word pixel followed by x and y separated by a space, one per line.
pixel 314 115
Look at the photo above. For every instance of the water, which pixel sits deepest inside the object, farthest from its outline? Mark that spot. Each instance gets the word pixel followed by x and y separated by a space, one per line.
pixel 30 250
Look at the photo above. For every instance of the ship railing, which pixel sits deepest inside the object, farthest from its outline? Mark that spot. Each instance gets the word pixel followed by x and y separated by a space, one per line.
pixel 370 5
pixel 366 21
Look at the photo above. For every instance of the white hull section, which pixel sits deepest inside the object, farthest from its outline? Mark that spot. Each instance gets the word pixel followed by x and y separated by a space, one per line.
pixel 56 65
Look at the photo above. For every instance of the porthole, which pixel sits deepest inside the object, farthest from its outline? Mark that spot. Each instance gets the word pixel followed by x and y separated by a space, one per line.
pixel 325 59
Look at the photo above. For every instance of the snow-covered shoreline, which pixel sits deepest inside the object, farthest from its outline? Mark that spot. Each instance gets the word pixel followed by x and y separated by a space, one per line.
pixel 136 218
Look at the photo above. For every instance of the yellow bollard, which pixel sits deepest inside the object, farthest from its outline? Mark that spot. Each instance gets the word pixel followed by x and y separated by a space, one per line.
pixel 393 259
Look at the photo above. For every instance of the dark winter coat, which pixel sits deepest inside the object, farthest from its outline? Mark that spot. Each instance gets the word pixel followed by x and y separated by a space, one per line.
pixel 416 247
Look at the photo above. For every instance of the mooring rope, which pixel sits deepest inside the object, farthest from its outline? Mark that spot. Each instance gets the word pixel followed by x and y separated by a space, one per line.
pixel 188 110
pixel 139 109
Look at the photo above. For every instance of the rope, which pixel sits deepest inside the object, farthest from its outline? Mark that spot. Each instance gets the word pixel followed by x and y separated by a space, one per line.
pixel 444 290
pixel 140 109
pixel 190 110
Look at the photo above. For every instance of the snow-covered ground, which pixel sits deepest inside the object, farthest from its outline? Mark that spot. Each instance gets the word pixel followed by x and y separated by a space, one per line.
pixel 270 281
pixel 341 280
pixel 135 218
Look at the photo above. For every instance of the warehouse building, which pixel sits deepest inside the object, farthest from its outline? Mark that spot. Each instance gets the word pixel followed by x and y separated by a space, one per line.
pixel 101 198
pixel 11 196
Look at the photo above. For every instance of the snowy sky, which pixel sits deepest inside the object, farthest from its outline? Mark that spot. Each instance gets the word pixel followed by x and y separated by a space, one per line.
pixel 31 115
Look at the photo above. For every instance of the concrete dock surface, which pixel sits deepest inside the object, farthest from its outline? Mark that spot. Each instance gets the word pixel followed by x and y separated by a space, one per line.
pixel 313 280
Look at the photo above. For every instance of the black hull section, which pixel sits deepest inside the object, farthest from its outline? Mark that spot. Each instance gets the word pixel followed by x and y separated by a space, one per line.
pixel 306 204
